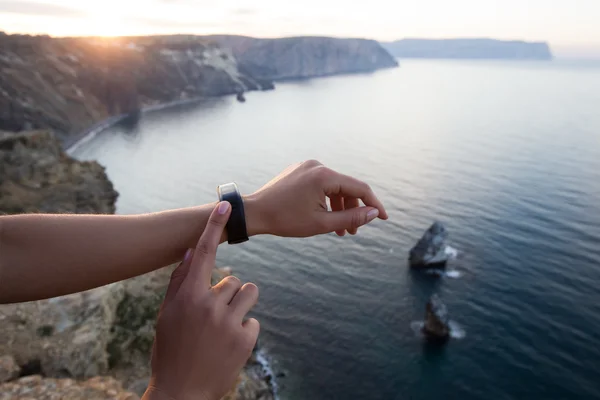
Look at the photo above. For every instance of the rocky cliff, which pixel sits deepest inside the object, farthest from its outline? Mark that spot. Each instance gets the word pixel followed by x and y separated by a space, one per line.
pixel 469 49
pixel 57 344
pixel 305 57
pixel 68 84
pixel 37 176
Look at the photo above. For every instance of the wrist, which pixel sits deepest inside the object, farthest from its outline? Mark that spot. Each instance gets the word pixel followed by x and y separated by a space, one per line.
pixel 255 216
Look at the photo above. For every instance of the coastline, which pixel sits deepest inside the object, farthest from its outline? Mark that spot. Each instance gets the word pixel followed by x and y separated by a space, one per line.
pixel 74 142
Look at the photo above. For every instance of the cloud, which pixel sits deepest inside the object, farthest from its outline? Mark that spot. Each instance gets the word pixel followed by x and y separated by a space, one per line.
pixel 160 23
pixel 33 8
pixel 244 11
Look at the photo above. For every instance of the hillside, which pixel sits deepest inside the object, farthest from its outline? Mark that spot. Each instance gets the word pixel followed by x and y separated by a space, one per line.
pixel 469 49
pixel 306 57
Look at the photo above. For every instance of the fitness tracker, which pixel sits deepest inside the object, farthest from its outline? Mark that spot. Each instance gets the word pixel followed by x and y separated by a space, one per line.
pixel 236 225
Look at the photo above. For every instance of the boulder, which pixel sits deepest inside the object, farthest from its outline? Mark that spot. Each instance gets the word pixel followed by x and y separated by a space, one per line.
pixel 64 336
pixel 40 388
pixel 9 369
pixel 430 250
pixel 436 326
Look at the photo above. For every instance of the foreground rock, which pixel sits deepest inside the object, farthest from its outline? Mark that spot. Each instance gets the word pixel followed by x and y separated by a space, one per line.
pixel 105 331
pixel 436 326
pixel 430 250
pixel 37 176
pixel 39 388
pixel 306 57
pixel 9 369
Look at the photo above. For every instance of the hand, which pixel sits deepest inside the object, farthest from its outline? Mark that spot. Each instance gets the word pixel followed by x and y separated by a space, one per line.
pixel 294 203
pixel 202 341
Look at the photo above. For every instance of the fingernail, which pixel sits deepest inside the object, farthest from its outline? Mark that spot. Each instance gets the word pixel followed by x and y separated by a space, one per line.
pixel 371 215
pixel 223 207
pixel 188 255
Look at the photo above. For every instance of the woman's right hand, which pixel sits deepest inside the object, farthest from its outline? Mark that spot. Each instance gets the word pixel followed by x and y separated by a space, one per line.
pixel 202 340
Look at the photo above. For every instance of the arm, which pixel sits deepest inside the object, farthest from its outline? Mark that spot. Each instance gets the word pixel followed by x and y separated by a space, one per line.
pixel 44 256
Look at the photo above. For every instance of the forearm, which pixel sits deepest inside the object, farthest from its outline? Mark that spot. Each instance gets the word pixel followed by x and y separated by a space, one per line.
pixel 43 256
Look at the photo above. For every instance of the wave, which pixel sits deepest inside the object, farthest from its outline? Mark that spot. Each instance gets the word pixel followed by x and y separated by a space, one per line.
pixel 451 252
pixel 452 273
pixel 263 360
pixel 456 330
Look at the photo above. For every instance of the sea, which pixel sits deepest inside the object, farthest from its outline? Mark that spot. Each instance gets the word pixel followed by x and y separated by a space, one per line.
pixel 506 154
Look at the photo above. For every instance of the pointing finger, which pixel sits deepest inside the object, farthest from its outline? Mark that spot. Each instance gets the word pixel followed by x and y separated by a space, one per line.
pixel 205 253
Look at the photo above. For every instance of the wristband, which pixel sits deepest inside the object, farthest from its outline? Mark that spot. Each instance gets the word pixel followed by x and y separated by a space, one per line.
pixel 236 225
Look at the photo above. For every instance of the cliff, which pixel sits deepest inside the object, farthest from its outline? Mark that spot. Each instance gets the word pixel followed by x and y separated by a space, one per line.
pixel 37 176
pixel 57 344
pixel 305 57
pixel 68 84
pixel 469 49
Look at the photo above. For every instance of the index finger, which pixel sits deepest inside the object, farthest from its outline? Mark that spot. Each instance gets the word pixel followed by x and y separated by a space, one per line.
pixel 344 185
pixel 205 253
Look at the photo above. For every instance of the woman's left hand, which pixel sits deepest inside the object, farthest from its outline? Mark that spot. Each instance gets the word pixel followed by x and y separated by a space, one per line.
pixel 294 203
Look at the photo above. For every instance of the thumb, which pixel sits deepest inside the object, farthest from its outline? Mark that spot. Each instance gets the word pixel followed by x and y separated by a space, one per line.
pixel 177 276
pixel 349 219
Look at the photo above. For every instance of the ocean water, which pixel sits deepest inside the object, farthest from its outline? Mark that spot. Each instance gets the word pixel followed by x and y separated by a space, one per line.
pixel 505 154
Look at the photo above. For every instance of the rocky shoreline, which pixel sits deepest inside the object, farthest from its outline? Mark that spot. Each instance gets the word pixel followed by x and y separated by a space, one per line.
pixel 55 94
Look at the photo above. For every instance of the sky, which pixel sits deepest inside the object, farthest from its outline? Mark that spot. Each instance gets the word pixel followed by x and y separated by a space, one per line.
pixel 572 27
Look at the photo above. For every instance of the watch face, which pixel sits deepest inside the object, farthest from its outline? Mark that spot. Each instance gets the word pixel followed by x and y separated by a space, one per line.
pixel 228 189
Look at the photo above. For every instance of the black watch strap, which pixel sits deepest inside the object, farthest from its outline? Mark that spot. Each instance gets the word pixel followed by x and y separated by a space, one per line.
pixel 236 225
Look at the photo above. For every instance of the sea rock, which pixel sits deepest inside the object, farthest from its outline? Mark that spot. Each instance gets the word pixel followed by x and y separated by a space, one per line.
pixel 436 325
pixel 9 369
pixel 39 388
pixel 305 57
pixel 36 176
pixel 430 250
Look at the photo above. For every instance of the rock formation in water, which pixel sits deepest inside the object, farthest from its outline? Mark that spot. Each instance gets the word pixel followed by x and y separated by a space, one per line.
pixel 430 250
pixel 436 326
pixel 306 57
pixel 37 176
pixel 69 84
pixel 469 49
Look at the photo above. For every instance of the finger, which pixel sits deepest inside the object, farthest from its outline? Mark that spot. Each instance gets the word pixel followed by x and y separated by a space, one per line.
pixel 177 277
pixel 347 186
pixel 244 300
pixel 350 220
pixel 227 289
pixel 252 326
pixel 349 204
pixel 337 204
pixel 203 261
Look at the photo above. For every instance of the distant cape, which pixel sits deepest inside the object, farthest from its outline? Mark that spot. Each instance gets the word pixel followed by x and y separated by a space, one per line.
pixel 469 49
